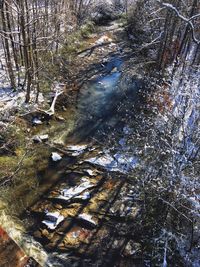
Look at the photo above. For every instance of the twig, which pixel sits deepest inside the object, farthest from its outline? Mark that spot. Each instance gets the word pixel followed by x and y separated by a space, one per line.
pixel 5 180
pixel 166 202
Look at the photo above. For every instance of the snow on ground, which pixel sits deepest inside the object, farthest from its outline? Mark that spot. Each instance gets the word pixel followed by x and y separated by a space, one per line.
pixel 10 100
pixel 121 162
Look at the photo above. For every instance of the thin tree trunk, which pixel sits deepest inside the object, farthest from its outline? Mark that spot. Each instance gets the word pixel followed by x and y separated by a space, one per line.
pixel 7 50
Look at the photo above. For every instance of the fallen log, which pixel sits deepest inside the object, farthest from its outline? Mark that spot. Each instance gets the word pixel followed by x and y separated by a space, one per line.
pixel 11 254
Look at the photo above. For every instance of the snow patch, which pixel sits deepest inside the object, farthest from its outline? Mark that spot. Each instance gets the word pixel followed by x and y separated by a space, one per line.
pixel 76 192
pixel 55 156
pixel 52 219
pixel 118 162
pixel 87 218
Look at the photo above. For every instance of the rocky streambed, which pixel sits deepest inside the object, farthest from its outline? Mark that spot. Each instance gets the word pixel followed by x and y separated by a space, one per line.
pixel 89 212
pixel 80 210
pixel 86 216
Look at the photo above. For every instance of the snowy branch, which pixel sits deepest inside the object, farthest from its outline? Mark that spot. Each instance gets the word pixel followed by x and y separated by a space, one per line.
pixel 186 20
pixel 51 111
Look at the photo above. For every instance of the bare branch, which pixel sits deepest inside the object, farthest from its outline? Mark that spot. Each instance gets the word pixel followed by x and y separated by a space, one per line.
pixel 188 21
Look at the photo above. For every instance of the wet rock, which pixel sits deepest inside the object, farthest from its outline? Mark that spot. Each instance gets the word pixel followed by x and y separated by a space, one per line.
pixel 103 160
pixel 97 243
pixel 36 139
pixel 44 137
pixel 52 219
pixel 132 249
pixel 40 138
pixel 118 162
pixel 37 121
pixel 75 237
pixel 84 196
pixel 114 70
pixel 117 243
pixel 55 156
pixel 79 191
pixel 87 220
pixel 91 172
pixel 103 39
pixel 54 241
pixel 81 196
pixel 76 147
pixel 97 205
pixel 99 198
pixel 76 150
pixel 37 234
pixel 42 206
pixel 71 211
pixel 45 233
pixel 54 193
pixel 57 206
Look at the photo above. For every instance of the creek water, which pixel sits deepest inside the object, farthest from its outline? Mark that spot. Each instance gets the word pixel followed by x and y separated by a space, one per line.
pixel 98 99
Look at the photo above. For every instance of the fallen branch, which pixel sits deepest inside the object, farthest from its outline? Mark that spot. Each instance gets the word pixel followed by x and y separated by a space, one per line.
pixel 51 111
pixel 46 114
pixel 8 179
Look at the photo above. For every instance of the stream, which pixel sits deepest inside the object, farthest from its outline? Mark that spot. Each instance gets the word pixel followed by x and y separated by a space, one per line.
pixel 84 200
pixel 80 196
pixel 75 217
pixel 98 98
